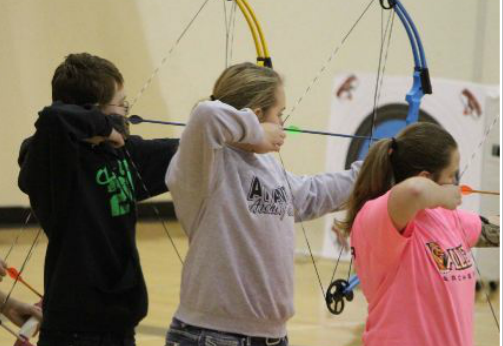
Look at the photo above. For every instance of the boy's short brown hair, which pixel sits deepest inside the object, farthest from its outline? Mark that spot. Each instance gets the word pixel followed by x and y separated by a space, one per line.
pixel 85 79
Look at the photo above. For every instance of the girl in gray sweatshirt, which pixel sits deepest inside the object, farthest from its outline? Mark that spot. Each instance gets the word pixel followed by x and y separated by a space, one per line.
pixel 238 207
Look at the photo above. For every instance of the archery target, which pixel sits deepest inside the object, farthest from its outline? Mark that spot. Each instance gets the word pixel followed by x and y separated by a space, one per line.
pixel 389 122
pixel 457 106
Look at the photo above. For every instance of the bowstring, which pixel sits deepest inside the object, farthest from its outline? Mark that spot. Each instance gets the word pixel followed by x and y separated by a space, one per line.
pixel 299 101
pixel 140 94
pixel 309 88
pixel 25 260
pixel 226 24
pixel 306 92
pixel 483 286
pixel 332 55
pixel 18 235
pixel 458 218
pixel 156 210
pixel 313 260
pixel 167 56
pixel 232 29
pixel 230 24
pixel 21 270
pixel 386 34
pixel 381 68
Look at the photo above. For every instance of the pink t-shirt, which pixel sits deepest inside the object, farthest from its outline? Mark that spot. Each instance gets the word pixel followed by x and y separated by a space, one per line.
pixel 419 285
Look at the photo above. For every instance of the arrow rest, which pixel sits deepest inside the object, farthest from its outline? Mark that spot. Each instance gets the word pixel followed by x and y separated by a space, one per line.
pixel 135 119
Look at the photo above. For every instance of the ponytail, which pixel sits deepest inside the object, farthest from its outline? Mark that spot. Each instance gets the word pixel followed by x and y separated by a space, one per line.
pixel 419 147
pixel 374 179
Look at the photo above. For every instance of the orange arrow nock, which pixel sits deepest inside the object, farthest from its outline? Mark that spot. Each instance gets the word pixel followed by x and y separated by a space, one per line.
pixel 467 190
pixel 14 274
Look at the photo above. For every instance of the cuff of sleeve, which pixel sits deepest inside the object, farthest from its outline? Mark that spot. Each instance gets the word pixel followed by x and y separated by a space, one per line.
pixel 255 133
pixel 104 126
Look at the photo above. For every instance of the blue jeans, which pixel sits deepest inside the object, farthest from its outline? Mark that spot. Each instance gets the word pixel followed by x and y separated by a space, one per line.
pixel 181 334
pixel 84 339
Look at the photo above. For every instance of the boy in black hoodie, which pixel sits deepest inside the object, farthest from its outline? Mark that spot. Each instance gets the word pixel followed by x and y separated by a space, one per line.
pixel 84 178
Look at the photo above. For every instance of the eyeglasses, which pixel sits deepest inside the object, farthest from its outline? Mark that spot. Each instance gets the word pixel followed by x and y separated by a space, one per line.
pixel 125 105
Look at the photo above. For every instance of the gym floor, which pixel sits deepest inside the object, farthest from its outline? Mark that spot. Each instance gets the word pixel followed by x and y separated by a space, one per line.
pixel 312 325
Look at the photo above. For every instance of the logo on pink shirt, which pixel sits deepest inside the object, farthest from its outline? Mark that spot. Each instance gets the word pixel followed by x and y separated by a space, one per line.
pixel 453 259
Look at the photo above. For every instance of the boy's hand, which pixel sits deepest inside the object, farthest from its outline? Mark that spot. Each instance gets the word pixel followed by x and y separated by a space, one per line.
pixel 116 139
pixel 96 140
pixel 274 137
pixel 121 124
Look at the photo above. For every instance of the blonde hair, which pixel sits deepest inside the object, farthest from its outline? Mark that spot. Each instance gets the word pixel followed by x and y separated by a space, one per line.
pixel 247 85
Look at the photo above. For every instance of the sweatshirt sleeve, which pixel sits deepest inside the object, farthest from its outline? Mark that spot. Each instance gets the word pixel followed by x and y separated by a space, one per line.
pixel 315 196
pixel 212 125
pixel 74 121
pixel 54 148
pixel 151 157
pixel 50 159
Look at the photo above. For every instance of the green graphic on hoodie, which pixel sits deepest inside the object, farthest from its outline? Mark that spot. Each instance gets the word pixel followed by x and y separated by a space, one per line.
pixel 120 185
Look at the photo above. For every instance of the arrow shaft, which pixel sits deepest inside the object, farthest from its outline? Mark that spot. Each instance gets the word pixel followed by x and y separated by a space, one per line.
pixel 172 123
pixel 27 285
pixel 14 274
pixel 323 133
pixel 311 132
pixel 484 192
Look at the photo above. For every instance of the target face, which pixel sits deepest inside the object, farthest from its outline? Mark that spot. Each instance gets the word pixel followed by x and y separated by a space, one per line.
pixel 389 121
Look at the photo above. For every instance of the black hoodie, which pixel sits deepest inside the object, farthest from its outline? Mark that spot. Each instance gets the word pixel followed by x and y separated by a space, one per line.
pixel 85 198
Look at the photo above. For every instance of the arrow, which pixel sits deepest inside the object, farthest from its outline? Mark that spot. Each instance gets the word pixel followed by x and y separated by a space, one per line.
pixel 467 190
pixel 136 119
pixel 14 274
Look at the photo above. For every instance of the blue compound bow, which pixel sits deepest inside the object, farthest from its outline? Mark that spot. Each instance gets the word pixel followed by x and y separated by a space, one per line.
pixel 341 290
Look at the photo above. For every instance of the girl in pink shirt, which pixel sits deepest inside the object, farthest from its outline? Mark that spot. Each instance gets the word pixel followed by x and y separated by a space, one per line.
pixel 411 245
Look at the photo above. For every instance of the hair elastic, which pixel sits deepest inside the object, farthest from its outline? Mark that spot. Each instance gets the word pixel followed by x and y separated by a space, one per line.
pixel 394 143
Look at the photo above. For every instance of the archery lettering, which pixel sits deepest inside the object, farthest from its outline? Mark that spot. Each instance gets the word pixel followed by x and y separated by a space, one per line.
pixel 453 259
pixel 120 185
pixel 268 202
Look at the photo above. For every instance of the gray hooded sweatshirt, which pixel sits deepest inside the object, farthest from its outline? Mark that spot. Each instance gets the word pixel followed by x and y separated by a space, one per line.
pixel 238 210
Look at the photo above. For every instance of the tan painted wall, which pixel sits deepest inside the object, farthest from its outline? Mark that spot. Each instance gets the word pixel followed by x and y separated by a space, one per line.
pixel 461 37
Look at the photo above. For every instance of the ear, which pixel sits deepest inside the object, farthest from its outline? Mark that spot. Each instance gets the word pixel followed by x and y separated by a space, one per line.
pixel 425 174
pixel 259 113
